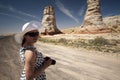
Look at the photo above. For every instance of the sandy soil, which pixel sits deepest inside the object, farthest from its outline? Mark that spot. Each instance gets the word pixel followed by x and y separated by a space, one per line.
pixel 79 64
pixel 72 64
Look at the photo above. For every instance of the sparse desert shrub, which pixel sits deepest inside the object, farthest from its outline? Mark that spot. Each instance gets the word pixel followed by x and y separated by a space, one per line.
pixel 99 44
pixel 72 30
pixel 45 40
pixel 62 40
pixel 82 43
pixel 115 26
pixel 99 41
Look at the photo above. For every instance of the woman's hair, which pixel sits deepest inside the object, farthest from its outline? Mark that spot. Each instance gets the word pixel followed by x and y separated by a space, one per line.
pixel 23 41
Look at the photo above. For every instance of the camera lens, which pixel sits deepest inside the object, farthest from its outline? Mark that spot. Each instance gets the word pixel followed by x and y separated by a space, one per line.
pixel 53 62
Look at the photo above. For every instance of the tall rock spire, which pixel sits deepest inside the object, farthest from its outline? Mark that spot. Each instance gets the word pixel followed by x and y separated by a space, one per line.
pixel 93 18
pixel 49 21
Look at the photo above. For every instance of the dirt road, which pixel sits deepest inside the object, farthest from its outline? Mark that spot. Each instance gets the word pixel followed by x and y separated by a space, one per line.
pixel 78 64
pixel 10 68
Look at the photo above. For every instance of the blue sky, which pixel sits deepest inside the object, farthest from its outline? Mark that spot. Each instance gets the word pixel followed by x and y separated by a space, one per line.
pixel 69 13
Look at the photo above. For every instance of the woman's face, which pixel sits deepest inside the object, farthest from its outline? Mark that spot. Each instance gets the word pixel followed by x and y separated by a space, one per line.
pixel 32 36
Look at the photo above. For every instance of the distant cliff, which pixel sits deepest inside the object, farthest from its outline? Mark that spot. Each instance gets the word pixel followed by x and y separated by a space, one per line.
pixel 113 22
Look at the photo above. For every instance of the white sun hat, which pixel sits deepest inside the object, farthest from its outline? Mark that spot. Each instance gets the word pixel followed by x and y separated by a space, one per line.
pixel 29 26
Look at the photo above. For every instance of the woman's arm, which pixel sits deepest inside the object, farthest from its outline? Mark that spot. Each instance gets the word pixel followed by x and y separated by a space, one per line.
pixel 30 58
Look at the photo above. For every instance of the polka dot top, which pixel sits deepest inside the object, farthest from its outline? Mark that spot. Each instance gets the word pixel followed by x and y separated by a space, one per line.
pixel 38 62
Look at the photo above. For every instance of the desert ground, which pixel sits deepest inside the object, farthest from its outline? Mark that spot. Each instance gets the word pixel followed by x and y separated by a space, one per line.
pixel 72 63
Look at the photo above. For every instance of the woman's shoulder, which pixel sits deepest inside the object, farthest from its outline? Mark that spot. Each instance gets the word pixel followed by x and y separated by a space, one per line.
pixel 28 48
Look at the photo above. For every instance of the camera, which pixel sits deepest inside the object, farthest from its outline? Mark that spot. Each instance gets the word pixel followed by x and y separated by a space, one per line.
pixel 53 61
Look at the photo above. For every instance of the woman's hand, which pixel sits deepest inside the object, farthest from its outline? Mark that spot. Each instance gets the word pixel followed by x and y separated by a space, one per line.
pixel 47 63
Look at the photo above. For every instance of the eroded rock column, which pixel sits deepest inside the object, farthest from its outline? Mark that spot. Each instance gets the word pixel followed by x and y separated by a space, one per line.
pixel 49 21
pixel 93 18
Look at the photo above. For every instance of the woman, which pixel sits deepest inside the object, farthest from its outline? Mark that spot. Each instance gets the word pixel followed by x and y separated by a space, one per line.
pixel 34 63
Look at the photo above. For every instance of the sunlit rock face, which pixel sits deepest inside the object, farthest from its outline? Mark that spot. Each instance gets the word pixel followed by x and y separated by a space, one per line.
pixel 113 22
pixel 49 21
pixel 93 19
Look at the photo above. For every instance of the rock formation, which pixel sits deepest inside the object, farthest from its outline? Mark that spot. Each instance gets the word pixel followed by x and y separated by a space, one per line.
pixel 113 22
pixel 93 18
pixel 49 22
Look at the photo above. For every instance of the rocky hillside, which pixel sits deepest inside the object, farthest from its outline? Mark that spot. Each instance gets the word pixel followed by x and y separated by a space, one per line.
pixel 113 22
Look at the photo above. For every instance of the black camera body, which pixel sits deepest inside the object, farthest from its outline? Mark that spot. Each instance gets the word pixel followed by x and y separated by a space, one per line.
pixel 53 61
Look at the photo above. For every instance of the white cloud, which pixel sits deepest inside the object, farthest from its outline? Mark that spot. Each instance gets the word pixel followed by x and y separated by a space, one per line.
pixel 65 10
pixel 82 10
pixel 13 16
pixel 10 8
